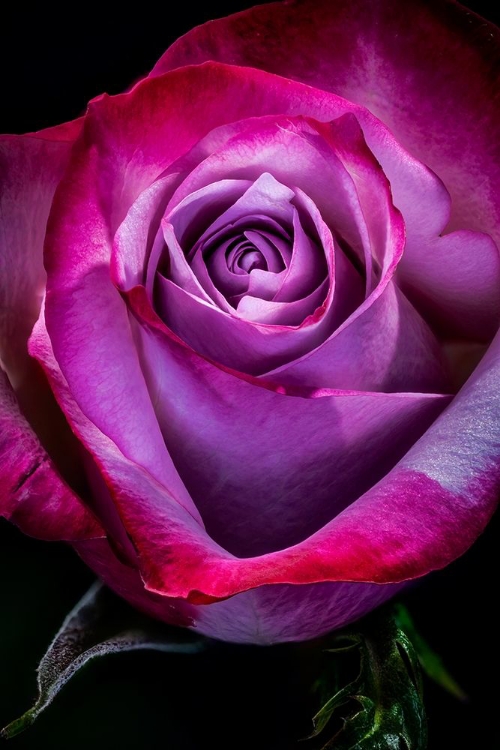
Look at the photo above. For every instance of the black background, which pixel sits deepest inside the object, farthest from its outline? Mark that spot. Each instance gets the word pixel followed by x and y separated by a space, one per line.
pixel 52 63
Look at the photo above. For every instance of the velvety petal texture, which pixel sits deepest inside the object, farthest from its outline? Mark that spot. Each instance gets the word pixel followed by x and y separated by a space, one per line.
pixel 267 270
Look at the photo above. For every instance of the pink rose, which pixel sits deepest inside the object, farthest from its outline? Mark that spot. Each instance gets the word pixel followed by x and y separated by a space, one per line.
pixel 270 268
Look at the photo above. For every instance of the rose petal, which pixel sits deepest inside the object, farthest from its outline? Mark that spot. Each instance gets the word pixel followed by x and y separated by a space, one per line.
pixel 200 286
pixel 96 353
pixel 280 613
pixel 32 493
pixel 243 344
pixel 132 260
pixel 451 285
pixel 30 169
pixel 269 614
pixel 104 375
pixel 249 456
pixel 420 516
pixel 271 313
pixel 406 75
pixel 291 150
pixel 125 482
pixel 208 203
pixel 384 346
pixel 307 268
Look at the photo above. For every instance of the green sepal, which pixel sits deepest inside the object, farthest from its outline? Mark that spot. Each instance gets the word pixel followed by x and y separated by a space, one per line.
pixel 100 624
pixel 381 707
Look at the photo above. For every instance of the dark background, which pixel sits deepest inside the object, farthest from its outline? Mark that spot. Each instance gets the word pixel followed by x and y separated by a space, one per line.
pixel 51 64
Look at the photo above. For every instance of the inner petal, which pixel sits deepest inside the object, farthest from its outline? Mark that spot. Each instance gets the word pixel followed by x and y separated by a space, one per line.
pixel 307 268
pixel 231 260
pixel 245 249
pixel 249 258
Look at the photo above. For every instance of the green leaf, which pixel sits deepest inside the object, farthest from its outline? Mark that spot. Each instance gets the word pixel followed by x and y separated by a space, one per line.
pixel 380 707
pixel 100 624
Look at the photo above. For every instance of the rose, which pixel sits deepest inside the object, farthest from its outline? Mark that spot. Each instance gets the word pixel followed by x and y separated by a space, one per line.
pixel 183 411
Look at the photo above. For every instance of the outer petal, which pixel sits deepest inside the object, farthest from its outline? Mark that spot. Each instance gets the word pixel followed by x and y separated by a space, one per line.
pixel 133 491
pixel 422 515
pixel 452 284
pixel 32 494
pixel 273 614
pixel 92 338
pixel 398 60
pixel 266 615
pixel 250 456
pixel 30 169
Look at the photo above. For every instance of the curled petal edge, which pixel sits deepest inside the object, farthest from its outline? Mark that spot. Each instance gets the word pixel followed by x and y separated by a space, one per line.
pixel 420 517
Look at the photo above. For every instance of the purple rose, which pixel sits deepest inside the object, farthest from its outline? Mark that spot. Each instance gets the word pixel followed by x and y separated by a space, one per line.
pixel 263 288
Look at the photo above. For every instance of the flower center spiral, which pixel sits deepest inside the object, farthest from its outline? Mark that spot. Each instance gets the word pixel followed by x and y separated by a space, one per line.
pixel 247 247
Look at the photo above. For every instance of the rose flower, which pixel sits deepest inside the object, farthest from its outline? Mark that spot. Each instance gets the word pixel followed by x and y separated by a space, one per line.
pixel 248 312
